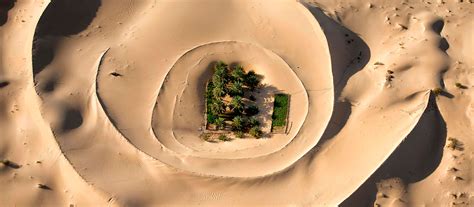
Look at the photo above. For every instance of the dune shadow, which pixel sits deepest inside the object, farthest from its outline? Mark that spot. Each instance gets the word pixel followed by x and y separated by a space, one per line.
pixel 443 44
pixel 67 17
pixel 204 77
pixel 72 120
pixel 200 90
pixel 437 26
pixel 5 6
pixel 414 159
pixel 60 18
pixel 349 54
pixel 50 85
pixel 43 53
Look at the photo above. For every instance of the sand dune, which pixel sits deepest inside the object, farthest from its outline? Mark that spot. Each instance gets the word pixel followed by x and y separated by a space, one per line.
pixel 102 103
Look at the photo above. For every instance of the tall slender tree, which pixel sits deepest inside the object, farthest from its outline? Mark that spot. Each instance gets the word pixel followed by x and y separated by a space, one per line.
pixel 238 73
pixel 236 88
pixel 218 92
pixel 238 123
pixel 217 106
pixel 221 70
pixel 252 80
pixel 237 104
pixel 220 123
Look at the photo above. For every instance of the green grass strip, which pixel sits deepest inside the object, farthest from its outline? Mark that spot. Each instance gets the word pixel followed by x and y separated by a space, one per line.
pixel 280 110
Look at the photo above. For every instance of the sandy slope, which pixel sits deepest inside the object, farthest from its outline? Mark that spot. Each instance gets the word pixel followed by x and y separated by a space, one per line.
pixel 34 157
pixel 107 109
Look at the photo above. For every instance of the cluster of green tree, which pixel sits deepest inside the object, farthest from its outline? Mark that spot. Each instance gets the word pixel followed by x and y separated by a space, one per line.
pixel 233 82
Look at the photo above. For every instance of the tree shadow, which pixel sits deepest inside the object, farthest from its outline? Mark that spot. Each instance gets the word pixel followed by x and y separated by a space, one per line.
pixel 349 54
pixel 414 159
pixel 5 6
pixel 265 105
pixel 60 18
pixel 43 53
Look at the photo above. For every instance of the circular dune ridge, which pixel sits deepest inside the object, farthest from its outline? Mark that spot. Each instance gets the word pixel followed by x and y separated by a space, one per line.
pixel 124 100
pixel 178 113
pixel 178 116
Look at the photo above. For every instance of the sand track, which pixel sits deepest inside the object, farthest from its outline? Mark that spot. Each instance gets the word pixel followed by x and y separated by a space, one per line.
pixel 108 109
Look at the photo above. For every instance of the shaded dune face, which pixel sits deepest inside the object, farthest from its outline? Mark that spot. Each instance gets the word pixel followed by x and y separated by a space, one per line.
pixel 121 86
pixel 60 19
pixel 67 17
pixel 414 159
pixel 5 6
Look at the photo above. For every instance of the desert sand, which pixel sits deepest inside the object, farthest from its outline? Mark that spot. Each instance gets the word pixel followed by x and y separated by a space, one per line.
pixel 101 102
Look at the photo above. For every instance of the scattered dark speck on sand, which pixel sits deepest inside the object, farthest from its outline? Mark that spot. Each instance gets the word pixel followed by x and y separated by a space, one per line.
pixel 10 164
pixel 116 74
pixel 461 86
pixel 4 84
pixel 44 187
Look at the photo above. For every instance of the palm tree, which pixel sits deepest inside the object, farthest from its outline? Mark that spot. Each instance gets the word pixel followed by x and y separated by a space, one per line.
pixel 237 104
pixel 236 88
pixel 218 92
pixel 220 123
pixel 253 122
pixel 238 123
pixel 217 106
pixel 255 132
pixel 252 80
pixel 238 73
pixel 220 70
pixel 217 79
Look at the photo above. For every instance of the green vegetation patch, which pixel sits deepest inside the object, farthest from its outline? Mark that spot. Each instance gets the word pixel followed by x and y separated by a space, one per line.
pixel 280 110
pixel 226 104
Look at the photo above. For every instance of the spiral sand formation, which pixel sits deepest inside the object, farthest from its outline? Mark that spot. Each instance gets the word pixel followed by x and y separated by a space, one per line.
pixel 107 108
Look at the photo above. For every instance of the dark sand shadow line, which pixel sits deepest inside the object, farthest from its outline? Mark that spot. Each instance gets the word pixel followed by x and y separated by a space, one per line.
pixel 419 154
pixel 5 6
pixel 61 18
pixel 414 159
pixel 349 54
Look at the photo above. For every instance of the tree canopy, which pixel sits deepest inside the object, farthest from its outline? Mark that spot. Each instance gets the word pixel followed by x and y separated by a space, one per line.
pixel 232 84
